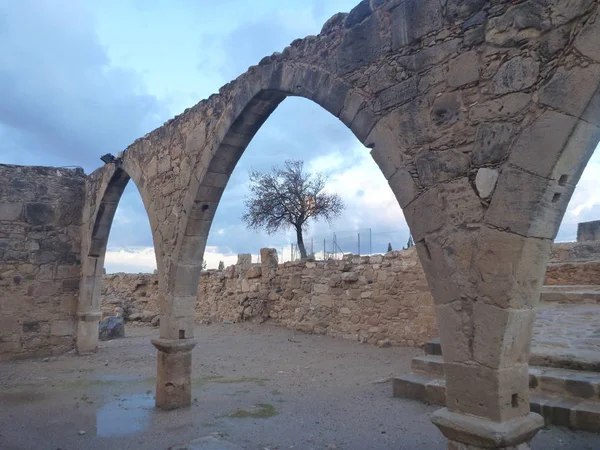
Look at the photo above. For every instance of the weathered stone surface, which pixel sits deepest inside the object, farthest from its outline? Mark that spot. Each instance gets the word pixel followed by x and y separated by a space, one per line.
pixel 437 167
pixel 492 143
pixel 587 40
pixel 559 93
pixel 501 108
pixel 549 133
pixel 485 181
pixel 40 244
pixel 361 45
pixel 397 95
pixel 515 75
pixel 463 69
pixel 10 211
pixel 111 328
pixel 412 20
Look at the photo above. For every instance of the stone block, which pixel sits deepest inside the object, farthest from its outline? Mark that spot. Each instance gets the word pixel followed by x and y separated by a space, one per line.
pixel 496 394
pixel 509 269
pixel 63 327
pixel 516 74
pixel 587 41
pixel 455 330
pixel 528 204
pixel 10 211
pixel 437 167
pixel 360 46
pixel 413 19
pixel 463 69
pixel 430 56
pixel 586 416
pixel 505 107
pixel 39 213
pixel 571 90
pixel 452 203
pixel 485 181
pixel 493 142
pixel 396 95
pixel 501 336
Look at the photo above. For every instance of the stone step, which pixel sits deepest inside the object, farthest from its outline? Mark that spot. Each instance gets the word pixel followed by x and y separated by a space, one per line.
pixel 544 356
pixel 570 294
pixel 543 380
pixel 574 413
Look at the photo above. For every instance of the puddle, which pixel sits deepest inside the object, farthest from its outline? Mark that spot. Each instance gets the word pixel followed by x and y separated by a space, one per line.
pixel 126 415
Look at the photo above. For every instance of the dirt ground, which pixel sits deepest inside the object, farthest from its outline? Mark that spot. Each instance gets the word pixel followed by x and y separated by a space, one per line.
pixel 255 387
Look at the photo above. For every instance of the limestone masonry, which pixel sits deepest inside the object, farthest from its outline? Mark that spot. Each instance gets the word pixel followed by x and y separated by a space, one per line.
pixel 482 116
pixel 378 299
pixel 40 257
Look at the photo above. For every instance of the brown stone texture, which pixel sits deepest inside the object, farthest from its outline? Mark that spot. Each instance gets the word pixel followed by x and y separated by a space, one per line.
pixel 379 299
pixel 40 265
pixel 573 273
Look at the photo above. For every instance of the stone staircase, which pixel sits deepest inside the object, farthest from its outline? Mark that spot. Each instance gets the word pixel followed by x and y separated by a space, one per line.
pixel 570 295
pixel 563 397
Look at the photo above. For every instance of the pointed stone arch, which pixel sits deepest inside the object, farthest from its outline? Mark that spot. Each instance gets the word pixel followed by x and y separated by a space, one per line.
pixel 104 189
pixel 480 114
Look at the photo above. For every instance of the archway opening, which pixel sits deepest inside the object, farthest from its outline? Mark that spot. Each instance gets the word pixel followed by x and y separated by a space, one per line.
pixel 122 250
pixel 349 273
pixel 567 315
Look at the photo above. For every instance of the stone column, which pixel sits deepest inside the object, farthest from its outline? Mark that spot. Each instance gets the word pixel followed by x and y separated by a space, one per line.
pixel 88 311
pixel 268 263
pixel 485 283
pixel 174 373
pixel 175 345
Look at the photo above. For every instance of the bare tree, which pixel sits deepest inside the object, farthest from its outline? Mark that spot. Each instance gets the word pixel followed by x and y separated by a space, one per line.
pixel 288 197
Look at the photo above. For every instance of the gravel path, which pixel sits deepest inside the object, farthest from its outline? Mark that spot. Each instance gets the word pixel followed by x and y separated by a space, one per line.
pixel 255 387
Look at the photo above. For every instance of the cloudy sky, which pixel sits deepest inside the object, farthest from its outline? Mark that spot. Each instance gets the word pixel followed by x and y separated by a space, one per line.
pixel 80 78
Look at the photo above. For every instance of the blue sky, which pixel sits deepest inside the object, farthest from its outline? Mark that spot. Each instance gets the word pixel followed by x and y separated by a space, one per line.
pixel 80 78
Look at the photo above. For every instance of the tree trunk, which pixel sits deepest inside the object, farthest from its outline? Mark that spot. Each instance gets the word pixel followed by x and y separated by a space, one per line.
pixel 300 243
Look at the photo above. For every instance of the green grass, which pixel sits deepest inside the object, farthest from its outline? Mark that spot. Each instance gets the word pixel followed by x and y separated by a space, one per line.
pixel 199 382
pixel 261 411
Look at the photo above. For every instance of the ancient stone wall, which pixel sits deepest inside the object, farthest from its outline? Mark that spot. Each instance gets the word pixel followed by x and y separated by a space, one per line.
pixel 374 299
pixel 135 297
pixel 40 246
pixel 573 273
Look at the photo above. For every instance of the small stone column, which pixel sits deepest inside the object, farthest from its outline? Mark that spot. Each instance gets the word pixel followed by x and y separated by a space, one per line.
pixel 87 331
pixel 269 263
pixel 174 373
pixel 175 345
pixel 89 312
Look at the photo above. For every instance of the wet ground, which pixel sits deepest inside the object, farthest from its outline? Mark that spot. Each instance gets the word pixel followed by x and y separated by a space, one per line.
pixel 255 387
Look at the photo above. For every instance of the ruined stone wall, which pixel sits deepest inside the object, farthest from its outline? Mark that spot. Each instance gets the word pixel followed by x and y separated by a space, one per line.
pixel 40 246
pixel 372 299
pixel 376 299
pixel 135 297
pixel 573 273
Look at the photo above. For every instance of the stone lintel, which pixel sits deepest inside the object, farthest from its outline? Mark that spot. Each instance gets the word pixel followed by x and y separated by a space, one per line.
pixel 90 316
pixel 174 345
pixel 484 433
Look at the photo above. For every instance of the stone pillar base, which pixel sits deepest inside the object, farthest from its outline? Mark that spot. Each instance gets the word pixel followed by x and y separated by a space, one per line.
pixel 174 373
pixel 466 432
pixel 87 332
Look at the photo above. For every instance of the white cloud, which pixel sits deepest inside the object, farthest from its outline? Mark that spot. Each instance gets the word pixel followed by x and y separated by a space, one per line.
pixel 143 260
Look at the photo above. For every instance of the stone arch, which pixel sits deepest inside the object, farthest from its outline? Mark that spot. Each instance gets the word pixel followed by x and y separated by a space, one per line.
pixel 253 102
pixel 105 188
pixel 460 102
